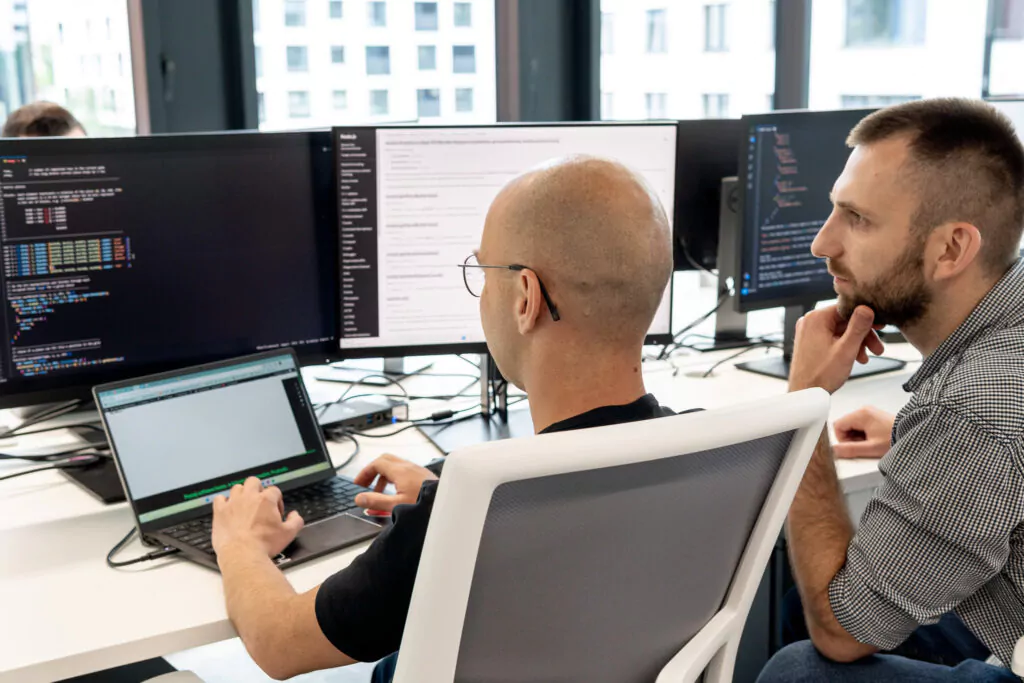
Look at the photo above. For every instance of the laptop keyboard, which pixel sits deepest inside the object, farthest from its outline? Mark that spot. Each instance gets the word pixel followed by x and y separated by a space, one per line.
pixel 314 502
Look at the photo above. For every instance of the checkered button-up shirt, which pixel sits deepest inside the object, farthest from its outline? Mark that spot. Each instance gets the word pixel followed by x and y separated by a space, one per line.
pixel 945 531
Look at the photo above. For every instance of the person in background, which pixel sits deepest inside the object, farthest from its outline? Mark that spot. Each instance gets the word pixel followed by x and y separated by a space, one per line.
pixel 42 120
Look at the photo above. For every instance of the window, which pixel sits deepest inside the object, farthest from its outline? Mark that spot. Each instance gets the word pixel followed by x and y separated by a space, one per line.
pixel 885 22
pixel 261 107
pixel 463 15
pixel 294 12
pixel 427 57
pixel 255 15
pixel 298 104
pixel 110 33
pixel 464 59
pixel 716 106
pixel 714 28
pixel 109 99
pixel 656 42
pixel 340 99
pixel 607 105
pixel 298 58
pixel 657 105
pixel 1004 76
pixel 258 58
pixel 378 60
pixel 1008 19
pixel 869 101
pixel 377 13
pixel 378 102
pixel 426 16
pixel 607 33
pixel 428 103
pixel 374 53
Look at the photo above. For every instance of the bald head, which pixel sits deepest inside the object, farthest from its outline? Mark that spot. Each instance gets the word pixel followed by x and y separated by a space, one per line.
pixel 597 236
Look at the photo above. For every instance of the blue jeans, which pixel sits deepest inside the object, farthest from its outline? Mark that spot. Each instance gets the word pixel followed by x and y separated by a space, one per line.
pixel 385 669
pixel 801 663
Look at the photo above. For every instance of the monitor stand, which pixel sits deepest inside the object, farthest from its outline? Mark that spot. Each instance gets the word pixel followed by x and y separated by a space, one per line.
pixel 99 479
pixel 778 366
pixel 373 371
pixel 495 421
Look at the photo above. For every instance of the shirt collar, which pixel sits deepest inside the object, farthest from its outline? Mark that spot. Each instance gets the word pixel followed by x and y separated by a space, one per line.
pixel 643 408
pixel 1003 298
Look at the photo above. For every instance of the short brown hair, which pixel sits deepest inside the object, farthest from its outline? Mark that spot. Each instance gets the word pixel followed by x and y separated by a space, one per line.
pixel 968 165
pixel 40 120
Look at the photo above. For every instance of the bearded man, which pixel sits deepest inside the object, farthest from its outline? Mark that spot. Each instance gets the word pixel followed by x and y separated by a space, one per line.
pixel 924 235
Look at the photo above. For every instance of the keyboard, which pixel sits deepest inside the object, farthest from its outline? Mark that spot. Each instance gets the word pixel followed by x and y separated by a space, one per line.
pixel 314 502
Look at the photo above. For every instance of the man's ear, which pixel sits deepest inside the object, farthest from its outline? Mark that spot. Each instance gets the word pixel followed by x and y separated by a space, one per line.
pixel 952 248
pixel 529 301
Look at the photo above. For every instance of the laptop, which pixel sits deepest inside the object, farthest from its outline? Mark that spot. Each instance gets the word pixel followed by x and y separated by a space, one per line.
pixel 182 438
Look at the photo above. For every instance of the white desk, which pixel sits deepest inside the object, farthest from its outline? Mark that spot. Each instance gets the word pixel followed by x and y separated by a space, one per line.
pixel 65 613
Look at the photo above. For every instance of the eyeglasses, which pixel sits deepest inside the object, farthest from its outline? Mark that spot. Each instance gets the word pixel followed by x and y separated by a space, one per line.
pixel 473 276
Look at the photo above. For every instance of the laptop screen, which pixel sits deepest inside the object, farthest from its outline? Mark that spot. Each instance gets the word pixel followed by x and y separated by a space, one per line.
pixel 184 439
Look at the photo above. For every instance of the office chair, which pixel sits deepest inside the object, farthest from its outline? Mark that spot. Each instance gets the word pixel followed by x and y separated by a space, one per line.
pixel 622 553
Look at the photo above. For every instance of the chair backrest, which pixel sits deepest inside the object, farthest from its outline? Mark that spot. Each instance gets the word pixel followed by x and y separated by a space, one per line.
pixel 610 554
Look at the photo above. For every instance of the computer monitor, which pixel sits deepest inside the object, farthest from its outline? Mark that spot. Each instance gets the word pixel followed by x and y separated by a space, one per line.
pixel 788 165
pixel 707 151
pixel 412 203
pixel 123 257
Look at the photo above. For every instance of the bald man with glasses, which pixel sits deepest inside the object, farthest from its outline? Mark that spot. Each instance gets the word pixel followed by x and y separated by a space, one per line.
pixel 599 237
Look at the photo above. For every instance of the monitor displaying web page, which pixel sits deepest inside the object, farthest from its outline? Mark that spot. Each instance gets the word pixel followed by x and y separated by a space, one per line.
pixel 412 203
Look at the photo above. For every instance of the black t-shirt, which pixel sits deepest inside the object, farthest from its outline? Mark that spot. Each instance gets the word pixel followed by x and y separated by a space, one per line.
pixel 362 609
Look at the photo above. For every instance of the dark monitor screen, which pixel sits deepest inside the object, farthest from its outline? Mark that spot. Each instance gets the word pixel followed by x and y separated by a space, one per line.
pixel 128 256
pixel 708 150
pixel 412 204
pixel 789 162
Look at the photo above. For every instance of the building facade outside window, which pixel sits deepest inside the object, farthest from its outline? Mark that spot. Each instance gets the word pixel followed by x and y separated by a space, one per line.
pixel 428 102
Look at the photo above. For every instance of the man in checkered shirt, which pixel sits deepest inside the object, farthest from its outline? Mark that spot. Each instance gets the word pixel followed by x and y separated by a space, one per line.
pixel 924 234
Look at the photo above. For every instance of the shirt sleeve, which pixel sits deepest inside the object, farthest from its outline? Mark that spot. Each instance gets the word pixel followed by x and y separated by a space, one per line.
pixel 936 531
pixel 362 609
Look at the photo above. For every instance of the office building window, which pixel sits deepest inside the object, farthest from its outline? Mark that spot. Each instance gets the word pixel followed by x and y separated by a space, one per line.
pixel 885 22
pixel 656 31
pixel 340 99
pixel 428 102
pixel 377 13
pixel 607 33
pixel 716 106
pixel 607 105
pixel 1008 19
pixel 463 14
pixel 426 16
pixel 378 60
pixel 773 9
pixel 258 59
pixel 298 58
pixel 770 102
pixel 378 102
pixel 869 101
pixel 337 10
pixel 261 108
pixel 337 54
pixel 463 100
pixel 294 12
pixel 427 57
pixel 715 28
pixel 298 104
pixel 657 105
pixel 255 15
pixel 464 59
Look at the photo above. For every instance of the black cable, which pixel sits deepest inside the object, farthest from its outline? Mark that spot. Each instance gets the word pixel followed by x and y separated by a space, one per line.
pixel 341 399
pixel 155 555
pixel 338 434
pixel 693 262
pixel 766 345
pixel 473 363
pixel 48 414
pixel 54 429
pixel 51 457
pixel 76 461
pixel 723 296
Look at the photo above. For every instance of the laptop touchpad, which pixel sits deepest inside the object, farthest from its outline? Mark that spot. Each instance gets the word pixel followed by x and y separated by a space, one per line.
pixel 331 534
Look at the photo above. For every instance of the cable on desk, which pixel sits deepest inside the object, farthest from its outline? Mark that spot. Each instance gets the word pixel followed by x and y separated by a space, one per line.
pixel 155 555
pixel 341 399
pixel 52 457
pixel 48 414
pixel 339 434
pixel 471 362
pixel 723 296
pixel 75 461
pixel 83 425
pixel 734 356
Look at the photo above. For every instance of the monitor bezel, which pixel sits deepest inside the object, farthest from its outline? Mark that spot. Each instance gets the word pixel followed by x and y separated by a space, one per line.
pixel 744 304
pixel 481 347
pixel 80 387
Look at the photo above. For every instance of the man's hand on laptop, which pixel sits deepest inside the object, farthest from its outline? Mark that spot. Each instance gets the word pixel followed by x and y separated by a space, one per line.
pixel 252 516
pixel 389 469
